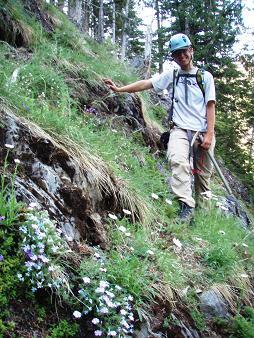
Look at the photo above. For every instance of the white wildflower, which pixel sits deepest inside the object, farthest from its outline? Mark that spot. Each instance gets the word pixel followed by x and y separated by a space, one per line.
pixel 43 259
pixel 150 252
pixel 77 314
pixel 17 161
pixel 9 146
pixel 125 324
pixel 86 280
pixel 104 284
pixel 98 333
pixel 131 318
pixel 122 229
pixel 127 212
pixel 112 333
pixel 168 201
pixel 112 216
pixel 130 298
pixel 123 312
pixel 34 226
pixel 154 196
pixel 104 310
pixel 110 294
pixel 103 270
pixel 95 321
pixel 100 290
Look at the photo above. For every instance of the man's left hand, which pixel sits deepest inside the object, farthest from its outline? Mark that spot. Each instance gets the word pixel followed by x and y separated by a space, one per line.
pixel 207 141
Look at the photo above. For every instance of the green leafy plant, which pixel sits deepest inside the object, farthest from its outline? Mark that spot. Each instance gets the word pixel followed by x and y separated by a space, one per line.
pixel 63 329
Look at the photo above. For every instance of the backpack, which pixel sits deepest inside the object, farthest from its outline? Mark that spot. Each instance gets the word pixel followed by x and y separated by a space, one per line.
pixel 176 76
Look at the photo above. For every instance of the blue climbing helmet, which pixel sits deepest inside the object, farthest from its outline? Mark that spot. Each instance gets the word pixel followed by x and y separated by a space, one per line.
pixel 179 41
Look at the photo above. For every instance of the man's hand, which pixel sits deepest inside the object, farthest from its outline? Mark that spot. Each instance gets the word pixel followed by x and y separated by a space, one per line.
pixel 134 87
pixel 111 85
pixel 207 140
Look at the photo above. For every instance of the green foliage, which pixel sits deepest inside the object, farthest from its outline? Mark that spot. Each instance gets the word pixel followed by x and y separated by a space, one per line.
pixel 9 239
pixel 197 316
pixel 220 257
pixel 63 329
pixel 240 326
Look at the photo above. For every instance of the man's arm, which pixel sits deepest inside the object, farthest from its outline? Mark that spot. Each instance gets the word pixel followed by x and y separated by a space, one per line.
pixel 210 115
pixel 131 88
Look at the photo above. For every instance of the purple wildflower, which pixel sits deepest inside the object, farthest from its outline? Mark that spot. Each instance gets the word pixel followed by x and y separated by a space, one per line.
pixel 1 258
pixel 29 253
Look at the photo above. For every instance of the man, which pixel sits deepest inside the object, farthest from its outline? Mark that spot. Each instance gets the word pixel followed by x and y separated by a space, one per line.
pixel 193 111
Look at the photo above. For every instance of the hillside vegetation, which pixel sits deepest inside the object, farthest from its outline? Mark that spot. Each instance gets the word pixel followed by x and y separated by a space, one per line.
pixel 150 276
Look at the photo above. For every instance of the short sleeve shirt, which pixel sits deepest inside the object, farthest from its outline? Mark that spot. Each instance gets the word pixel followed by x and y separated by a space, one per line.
pixel 189 112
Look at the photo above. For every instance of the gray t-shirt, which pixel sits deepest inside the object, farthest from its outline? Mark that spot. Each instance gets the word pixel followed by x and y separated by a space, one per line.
pixel 188 113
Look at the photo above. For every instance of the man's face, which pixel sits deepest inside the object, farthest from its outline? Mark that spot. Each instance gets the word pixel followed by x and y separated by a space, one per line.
pixel 183 56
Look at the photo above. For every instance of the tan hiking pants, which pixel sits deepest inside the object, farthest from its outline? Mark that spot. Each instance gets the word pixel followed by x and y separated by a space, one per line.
pixel 178 154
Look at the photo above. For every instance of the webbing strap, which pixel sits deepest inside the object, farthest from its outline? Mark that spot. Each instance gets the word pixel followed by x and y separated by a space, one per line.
pixel 171 109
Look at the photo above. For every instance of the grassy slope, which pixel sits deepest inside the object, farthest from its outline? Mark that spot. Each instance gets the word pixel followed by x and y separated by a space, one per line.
pixel 216 250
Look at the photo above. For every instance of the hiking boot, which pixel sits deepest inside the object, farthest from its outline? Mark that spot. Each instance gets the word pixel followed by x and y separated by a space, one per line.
pixel 186 212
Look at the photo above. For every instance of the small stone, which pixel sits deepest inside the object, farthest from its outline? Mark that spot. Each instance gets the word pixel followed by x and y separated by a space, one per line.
pixel 212 305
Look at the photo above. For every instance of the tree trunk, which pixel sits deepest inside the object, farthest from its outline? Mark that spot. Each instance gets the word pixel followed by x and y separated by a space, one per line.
pixel 187 26
pixel 251 145
pixel 159 36
pixel 75 11
pixel 60 4
pixel 114 22
pixel 101 23
pixel 148 51
pixel 124 34
pixel 86 15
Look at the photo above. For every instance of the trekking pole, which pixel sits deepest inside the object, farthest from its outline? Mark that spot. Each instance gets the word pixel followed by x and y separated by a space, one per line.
pixel 237 209
pixel 218 169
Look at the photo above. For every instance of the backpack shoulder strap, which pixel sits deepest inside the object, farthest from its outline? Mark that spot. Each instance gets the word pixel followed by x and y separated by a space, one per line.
pixel 170 111
pixel 200 75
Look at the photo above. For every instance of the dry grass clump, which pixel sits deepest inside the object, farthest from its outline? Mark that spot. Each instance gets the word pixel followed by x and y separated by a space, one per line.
pixel 15 31
pixel 238 291
pixel 95 170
